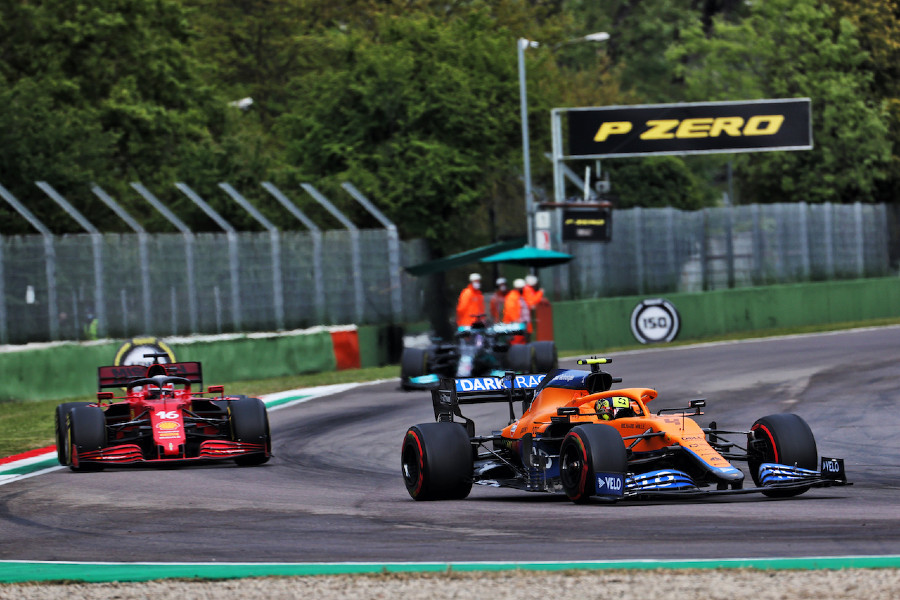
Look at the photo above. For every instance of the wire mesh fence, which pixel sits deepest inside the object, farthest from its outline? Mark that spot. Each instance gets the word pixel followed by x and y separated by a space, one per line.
pixel 126 285
pixel 664 250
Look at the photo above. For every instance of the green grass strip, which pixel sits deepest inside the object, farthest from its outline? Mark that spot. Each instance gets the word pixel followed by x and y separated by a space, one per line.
pixel 26 571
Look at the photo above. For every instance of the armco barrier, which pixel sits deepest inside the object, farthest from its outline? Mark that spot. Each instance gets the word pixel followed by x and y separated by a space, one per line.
pixel 586 325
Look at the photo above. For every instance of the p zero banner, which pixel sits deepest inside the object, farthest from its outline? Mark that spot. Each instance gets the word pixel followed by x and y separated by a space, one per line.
pixel 689 128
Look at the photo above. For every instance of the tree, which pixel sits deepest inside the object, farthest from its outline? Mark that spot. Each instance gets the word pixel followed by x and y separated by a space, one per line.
pixel 786 49
pixel 106 91
pixel 420 113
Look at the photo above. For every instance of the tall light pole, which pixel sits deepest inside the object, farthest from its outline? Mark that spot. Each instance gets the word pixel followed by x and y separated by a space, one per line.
pixel 522 43
pixel 526 153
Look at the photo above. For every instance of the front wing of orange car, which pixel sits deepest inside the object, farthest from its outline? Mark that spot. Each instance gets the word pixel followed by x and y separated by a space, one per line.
pixel 772 476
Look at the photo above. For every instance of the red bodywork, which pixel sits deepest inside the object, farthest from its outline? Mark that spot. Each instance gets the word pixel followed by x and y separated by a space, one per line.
pixel 160 419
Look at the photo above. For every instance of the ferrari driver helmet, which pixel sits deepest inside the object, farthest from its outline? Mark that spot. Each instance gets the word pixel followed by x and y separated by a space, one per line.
pixel 608 408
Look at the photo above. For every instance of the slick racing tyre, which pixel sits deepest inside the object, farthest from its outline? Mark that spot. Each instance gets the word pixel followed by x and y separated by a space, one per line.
pixel 250 423
pixel 86 426
pixel 63 443
pixel 545 356
pixel 437 461
pixel 785 439
pixel 413 363
pixel 586 451
pixel 520 358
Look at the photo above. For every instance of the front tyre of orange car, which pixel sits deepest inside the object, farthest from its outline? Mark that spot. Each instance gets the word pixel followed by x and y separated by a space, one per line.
pixel 588 450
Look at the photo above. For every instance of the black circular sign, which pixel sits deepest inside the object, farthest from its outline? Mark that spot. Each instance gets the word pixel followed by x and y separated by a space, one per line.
pixel 655 320
pixel 132 352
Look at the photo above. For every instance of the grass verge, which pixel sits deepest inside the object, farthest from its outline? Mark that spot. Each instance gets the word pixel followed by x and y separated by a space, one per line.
pixel 28 425
pixel 25 425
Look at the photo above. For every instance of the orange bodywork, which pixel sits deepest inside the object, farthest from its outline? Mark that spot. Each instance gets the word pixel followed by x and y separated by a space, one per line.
pixel 676 428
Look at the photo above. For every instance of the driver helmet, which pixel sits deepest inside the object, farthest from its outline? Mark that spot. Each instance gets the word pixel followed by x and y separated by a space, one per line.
pixel 608 408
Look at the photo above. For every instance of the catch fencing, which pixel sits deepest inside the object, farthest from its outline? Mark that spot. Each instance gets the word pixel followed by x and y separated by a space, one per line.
pixel 664 250
pixel 55 287
pixel 126 285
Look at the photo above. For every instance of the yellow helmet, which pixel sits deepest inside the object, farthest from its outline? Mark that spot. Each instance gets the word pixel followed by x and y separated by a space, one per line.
pixel 608 408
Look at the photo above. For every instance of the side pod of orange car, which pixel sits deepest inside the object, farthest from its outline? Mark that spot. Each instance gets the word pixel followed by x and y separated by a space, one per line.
pixel 576 435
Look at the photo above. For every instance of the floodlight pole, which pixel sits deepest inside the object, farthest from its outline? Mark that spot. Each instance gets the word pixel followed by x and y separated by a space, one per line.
pixel 521 44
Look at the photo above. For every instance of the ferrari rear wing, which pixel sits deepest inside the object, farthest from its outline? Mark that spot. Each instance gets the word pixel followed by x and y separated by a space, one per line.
pixel 121 375
pixel 479 390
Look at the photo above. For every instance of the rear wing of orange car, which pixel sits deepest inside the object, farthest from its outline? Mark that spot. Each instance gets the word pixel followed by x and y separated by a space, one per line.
pixel 118 376
pixel 509 388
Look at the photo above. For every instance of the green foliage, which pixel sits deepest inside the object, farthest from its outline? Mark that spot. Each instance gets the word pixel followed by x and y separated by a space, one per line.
pixel 417 102
pixel 107 91
pixel 785 49
pixel 419 113
pixel 660 181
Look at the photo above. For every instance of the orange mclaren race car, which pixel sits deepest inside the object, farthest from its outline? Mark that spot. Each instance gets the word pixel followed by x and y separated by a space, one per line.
pixel 160 420
pixel 579 436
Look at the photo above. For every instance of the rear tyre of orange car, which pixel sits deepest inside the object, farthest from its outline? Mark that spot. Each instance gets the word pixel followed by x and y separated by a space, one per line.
pixel 520 358
pixel 785 439
pixel 413 363
pixel 437 461
pixel 250 423
pixel 586 451
pixel 63 448
pixel 545 356
pixel 86 426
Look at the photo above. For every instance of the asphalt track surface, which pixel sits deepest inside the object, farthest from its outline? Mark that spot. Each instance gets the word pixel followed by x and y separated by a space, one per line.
pixel 334 492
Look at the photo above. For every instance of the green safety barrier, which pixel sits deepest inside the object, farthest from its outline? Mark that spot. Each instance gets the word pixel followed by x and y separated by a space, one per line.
pixel 69 369
pixel 606 322
pixel 252 357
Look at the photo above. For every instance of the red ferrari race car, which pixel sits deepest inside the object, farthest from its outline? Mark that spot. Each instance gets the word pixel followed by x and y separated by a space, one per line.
pixel 161 420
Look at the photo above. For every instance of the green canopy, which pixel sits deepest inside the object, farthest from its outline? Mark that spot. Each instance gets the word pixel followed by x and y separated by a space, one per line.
pixel 530 256
pixel 463 258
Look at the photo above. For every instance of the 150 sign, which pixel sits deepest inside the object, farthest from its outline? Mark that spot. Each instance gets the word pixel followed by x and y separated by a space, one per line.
pixel 655 320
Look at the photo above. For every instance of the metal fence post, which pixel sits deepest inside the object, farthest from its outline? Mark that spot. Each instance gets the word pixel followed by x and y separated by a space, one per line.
pixel 354 240
pixel 859 239
pixel 188 248
pixel 143 256
pixel 275 243
pixel 638 247
pixel 805 264
pixel 97 245
pixel 316 234
pixel 49 259
pixel 233 262
pixel 393 249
